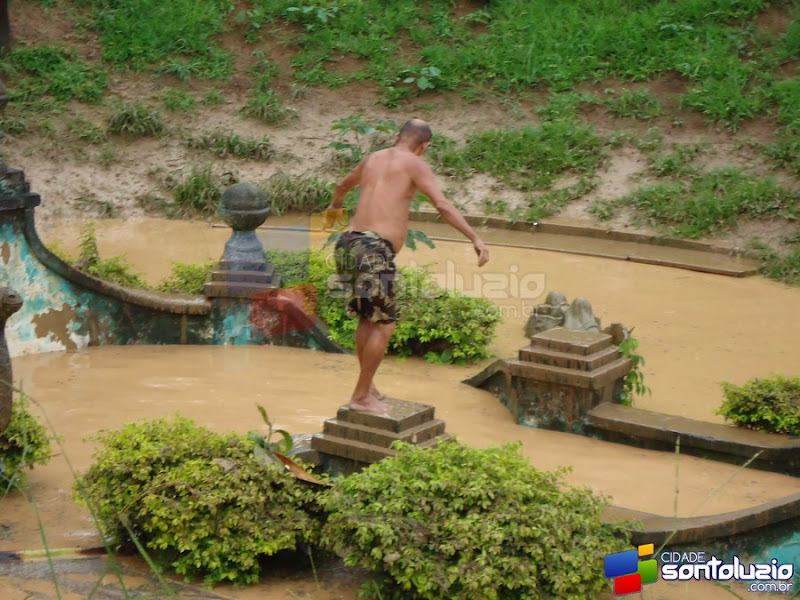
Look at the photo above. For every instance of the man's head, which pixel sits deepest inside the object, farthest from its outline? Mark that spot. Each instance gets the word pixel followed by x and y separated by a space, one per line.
pixel 416 135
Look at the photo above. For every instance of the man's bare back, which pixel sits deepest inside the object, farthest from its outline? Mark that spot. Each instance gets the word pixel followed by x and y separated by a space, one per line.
pixel 386 189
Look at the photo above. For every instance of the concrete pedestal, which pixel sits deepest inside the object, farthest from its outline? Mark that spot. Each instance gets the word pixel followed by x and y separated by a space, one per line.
pixel 355 439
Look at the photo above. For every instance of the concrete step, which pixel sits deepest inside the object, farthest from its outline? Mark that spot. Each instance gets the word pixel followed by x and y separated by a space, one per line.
pixel 571 341
pixel 238 289
pixel 544 356
pixel 402 415
pixel 378 437
pixel 244 276
pixel 362 452
pixel 595 379
pixel 350 449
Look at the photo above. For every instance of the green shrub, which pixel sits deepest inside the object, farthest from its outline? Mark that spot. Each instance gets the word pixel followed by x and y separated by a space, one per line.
pixel 199 502
pixel 770 404
pixel 135 120
pixel 187 278
pixel 455 522
pixel 23 444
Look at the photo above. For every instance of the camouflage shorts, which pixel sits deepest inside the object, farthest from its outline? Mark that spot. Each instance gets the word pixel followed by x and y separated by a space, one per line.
pixel 365 262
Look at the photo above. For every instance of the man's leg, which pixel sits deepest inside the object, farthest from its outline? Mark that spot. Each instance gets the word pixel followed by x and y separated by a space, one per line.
pixel 374 338
pixel 362 334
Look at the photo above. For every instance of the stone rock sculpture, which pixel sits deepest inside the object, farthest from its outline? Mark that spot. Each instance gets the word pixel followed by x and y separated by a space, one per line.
pixel 558 312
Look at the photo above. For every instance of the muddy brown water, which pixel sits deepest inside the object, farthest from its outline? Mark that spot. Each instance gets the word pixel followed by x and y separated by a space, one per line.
pixel 695 330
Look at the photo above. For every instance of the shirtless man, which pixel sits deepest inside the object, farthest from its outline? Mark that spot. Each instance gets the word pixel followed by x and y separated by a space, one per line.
pixel 388 182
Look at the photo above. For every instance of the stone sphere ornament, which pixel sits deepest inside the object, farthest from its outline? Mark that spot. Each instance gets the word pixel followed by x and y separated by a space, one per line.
pixel 244 207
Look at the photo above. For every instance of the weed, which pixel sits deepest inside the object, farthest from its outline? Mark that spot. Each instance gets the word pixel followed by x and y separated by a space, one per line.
pixel 175 99
pixel 780 266
pixel 494 207
pixel 213 98
pixel 603 209
pixel 135 120
pixel 785 153
pixel 13 125
pixel 197 193
pixel 563 106
pixel 103 208
pixel 289 193
pixel 108 156
pixel 114 269
pixel 553 201
pixel 682 162
pixel 266 105
pixel 634 381
pixel 229 143
pixel 187 278
pixel 23 444
pixel 357 136
pixel 87 132
pixel 637 104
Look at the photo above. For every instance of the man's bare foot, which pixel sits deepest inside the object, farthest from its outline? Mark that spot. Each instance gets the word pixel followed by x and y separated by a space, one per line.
pixel 374 392
pixel 369 404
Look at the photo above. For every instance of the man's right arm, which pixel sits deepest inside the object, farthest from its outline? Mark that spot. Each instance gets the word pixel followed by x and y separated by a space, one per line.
pixel 334 213
pixel 425 181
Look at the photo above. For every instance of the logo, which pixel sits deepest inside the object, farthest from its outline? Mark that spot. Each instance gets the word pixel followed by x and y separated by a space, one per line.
pixel 629 572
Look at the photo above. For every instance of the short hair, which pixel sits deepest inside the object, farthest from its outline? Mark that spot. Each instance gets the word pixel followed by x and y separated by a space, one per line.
pixel 416 131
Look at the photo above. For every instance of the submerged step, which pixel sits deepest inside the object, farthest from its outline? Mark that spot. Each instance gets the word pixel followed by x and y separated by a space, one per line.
pixel 379 437
pixel 567 360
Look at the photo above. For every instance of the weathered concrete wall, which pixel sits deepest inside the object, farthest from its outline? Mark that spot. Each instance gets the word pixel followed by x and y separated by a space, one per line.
pixel 67 309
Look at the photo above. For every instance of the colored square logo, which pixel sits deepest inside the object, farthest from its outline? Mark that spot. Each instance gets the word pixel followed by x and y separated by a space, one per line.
pixel 628 572
pixel 621 563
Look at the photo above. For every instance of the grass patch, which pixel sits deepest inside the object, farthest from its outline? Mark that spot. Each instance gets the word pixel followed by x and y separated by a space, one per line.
pixel 176 37
pixel 527 158
pixel 409 47
pixel 89 133
pixel 785 153
pixel 47 77
pixel 229 143
pixel 712 202
pixel 136 120
pixel 288 193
